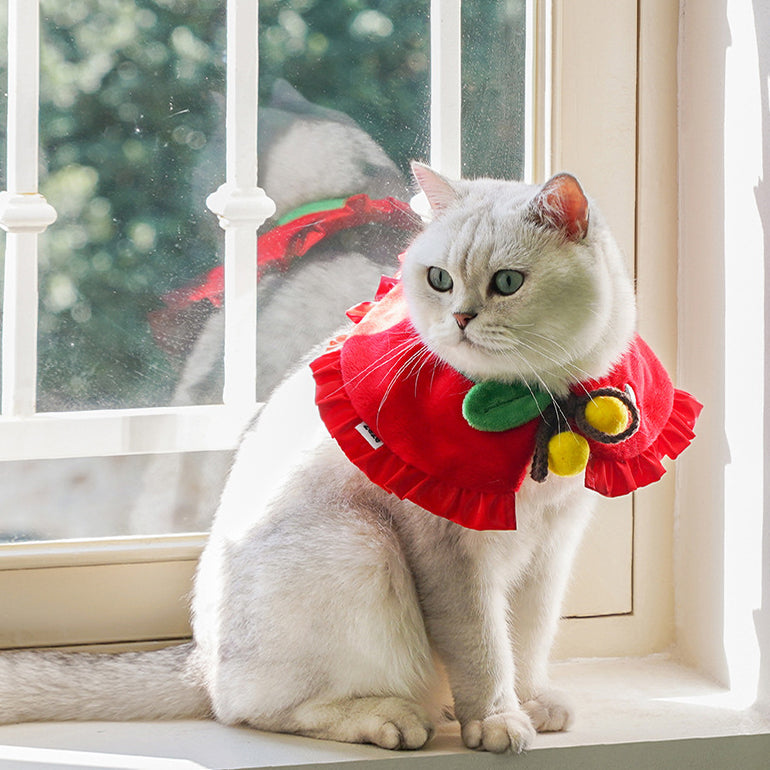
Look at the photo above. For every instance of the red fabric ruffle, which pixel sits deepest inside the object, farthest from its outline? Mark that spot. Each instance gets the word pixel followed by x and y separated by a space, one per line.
pixel 614 477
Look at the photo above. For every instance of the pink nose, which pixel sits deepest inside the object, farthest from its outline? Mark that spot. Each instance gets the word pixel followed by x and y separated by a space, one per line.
pixel 463 319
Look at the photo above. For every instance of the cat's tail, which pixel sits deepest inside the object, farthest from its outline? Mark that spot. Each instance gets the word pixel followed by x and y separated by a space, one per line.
pixel 48 686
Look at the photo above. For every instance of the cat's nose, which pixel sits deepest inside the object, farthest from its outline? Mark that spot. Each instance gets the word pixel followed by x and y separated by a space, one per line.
pixel 463 319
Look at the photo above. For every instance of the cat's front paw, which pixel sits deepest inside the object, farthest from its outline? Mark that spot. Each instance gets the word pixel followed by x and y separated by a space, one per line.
pixel 511 731
pixel 550 711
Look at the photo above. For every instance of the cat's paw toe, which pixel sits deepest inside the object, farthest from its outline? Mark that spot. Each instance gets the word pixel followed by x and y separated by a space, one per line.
pixel 393 736
pixel 499 733
pixel 410 729
pixel 550 711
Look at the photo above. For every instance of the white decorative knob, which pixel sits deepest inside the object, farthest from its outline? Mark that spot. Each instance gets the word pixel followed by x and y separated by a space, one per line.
pixel 25 212
pixel 240 207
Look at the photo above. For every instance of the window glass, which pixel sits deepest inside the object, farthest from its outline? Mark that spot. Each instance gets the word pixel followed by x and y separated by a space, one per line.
pixel 344 90
pixel 131 125
pixel 132 142
pixel 131 118
pixel 109 496
pixel 493 103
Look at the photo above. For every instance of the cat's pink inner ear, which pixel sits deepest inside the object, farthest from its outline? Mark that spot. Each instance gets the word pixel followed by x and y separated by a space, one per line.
pixel 437 189
pixel 562 205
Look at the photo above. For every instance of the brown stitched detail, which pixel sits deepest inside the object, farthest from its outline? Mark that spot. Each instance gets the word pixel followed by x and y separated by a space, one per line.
pixel 573 409
pixel 595 434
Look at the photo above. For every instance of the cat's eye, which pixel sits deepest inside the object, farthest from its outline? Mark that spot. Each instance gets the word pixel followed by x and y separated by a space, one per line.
pixel 439 279
pixel 507 282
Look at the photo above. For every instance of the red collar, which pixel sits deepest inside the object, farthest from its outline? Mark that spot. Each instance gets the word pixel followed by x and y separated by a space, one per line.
pixel 396 411
pixel 294 236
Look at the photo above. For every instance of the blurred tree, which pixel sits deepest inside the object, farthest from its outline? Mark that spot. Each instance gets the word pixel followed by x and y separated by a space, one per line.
pixel 131 92
pixel 366 58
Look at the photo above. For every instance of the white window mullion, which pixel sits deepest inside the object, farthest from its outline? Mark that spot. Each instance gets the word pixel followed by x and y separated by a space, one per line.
pixel 19 322
pixel 24 213
pixel 240 205
pixel 446 87
pixel 538 99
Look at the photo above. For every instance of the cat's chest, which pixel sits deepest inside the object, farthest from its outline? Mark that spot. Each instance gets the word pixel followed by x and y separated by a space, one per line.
pixel 550 516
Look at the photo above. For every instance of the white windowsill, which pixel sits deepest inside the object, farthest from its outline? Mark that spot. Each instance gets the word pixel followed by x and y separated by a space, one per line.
pixel 633 713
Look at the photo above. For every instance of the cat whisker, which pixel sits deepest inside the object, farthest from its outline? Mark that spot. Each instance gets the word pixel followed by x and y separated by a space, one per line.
pixel 569 367
pixel 414 365
pixel 427 358
pixel 437 364
pixel 406 366
pixel 544 387
pixel 560 415
pixel 573 372
pixel 391 355
pixel 514 357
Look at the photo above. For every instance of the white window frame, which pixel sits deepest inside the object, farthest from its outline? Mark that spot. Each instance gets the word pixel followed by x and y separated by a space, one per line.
pixel 692 223
pixel 722 572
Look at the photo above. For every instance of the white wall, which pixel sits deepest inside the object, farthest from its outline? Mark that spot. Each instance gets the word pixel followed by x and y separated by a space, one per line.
pixel 722 515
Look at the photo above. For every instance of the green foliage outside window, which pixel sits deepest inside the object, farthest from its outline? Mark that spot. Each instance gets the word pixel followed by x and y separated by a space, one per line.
pixel 131 124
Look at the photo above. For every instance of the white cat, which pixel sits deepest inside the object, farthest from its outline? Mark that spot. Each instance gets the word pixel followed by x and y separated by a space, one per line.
pixel 321 599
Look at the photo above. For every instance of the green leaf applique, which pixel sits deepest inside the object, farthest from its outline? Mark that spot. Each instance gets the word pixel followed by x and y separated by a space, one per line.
pixel 498 406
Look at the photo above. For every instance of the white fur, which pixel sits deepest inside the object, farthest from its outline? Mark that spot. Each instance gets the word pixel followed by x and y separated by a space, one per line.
pixel 321 601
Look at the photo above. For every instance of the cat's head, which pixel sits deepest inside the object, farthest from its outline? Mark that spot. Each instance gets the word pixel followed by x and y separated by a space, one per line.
pixel 518 282
pixel 309 153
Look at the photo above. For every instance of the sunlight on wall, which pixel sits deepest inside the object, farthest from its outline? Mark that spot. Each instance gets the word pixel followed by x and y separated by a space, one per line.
pixel 744 346
pixel 723 135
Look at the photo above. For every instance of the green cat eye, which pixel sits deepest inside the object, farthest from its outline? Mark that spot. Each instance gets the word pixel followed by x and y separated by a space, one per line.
pixel 507 282
pixel 439 279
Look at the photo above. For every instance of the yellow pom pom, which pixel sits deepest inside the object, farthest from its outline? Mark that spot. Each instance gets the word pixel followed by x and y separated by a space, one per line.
pixel 607 414
pixel 567 454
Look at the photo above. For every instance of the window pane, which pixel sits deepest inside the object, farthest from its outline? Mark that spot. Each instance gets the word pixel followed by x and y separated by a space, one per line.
pixel 132 131
pixel 367 59
pixel 131 121
pixel 109 496
pixel 131 134
pixel 345 94
pixel 494 70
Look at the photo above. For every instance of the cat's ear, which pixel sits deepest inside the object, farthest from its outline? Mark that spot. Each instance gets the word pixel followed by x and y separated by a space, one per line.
pixel 437 189
pixel 561 205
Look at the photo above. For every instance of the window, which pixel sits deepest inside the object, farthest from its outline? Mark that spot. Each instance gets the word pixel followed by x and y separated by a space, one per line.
pixel 682 85
pixel 576 108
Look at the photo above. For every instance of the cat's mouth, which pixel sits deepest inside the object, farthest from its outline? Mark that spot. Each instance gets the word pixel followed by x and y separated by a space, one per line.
pixel 467 341
pixel 467 338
